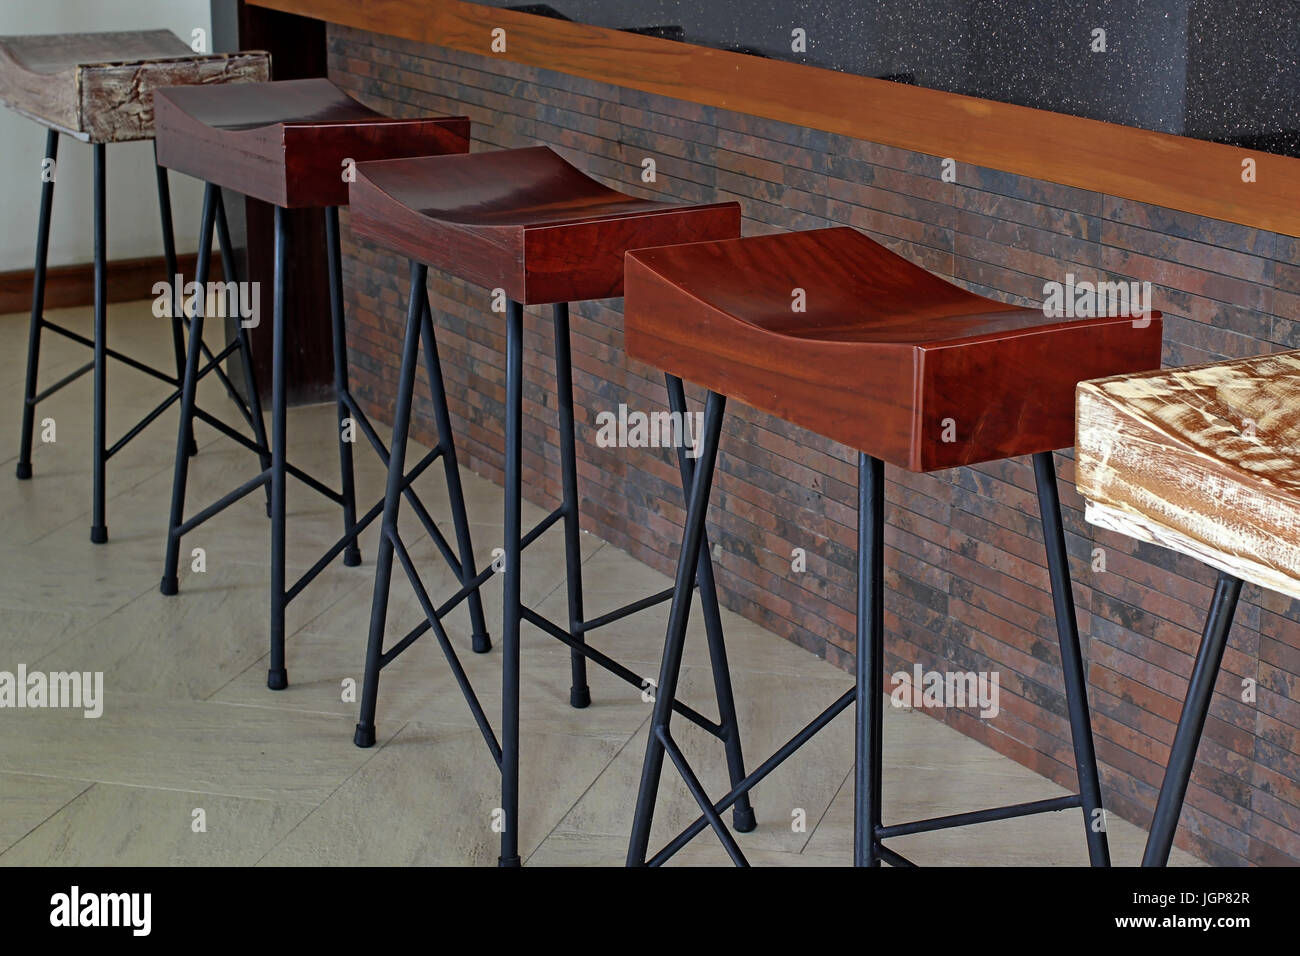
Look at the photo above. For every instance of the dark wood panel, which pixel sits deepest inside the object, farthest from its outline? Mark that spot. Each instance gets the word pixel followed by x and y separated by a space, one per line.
pixel 65 286
pixel 297 47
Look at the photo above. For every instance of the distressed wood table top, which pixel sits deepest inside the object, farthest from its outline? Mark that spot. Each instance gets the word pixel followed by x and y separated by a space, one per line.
pixel 830 330
pixel 98 87
pixel 1203 460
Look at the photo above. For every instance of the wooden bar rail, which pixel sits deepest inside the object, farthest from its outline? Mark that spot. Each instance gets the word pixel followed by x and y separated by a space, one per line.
pixel 1176 172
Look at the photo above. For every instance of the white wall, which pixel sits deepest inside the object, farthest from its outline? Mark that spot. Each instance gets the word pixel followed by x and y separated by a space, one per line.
pixel 133 228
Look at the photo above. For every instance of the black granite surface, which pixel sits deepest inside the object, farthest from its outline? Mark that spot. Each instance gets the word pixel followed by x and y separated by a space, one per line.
pixel 1212 69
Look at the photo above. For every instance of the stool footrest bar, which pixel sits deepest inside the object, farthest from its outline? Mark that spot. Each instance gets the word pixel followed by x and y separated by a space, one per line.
pixel 697 791
pixel 757 774
pixel 1072 802
pixel 626 610
pixel 542 527
pixel 615 668
pixel 453 661
pixel 113 353
pixel 221 504
pixel 894 858
pixel 66 380
pixel 413 635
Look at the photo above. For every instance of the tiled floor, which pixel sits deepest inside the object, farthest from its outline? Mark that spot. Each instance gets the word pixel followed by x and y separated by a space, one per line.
pixel 194 761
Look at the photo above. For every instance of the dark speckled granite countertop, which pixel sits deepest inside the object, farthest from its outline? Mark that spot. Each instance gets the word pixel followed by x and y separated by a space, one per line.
pixel 1211 69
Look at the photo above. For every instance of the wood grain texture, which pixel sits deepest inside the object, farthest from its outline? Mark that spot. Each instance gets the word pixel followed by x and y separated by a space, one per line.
pixel 98 87
pixel 1203 460
pixel 1173 171
pixel 285 142
pixel 886 357
pixel 128 280
pixel 523 220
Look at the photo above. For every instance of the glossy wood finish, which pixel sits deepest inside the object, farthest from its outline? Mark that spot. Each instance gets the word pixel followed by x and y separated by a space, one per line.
pixel 1202 460
pixel 887 358
pixel 1172 171
pixel 521 219
pixel 99 87
pixel 285 142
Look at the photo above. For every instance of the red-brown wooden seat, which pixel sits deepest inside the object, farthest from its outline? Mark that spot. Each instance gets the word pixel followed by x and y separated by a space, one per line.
pixel 887 357
pixel 98 87
pixel 831 331
pixel 521 219
pixel 286 142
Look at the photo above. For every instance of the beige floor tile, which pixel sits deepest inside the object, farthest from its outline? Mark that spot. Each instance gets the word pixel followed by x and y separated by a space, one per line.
pixel 143 740
pixel 28 801
pixel 192 644
pixel 130 826
pixel 447 787
pixel 771 710
pixel 565 848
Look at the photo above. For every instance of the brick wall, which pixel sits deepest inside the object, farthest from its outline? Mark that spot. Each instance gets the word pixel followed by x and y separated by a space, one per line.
pixel 966 573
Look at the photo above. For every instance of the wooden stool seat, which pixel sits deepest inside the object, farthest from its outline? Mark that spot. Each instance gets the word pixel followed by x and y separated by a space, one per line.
pixel 884 356
pixel 287 142
pixel 521 219
pixel 1204 461
pixel 98 87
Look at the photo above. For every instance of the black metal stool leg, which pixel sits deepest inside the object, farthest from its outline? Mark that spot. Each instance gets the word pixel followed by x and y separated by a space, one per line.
pixel 254 401
pixel 870 664
pixel 99 523
pixel 277 677
pixel 181 464
pixel 365 732
pixel 742 813
pixel 24 470
pixel 1191 722
pixel 678 616
pixel 579 690
pixel 481 641
pixel 173 267
pixel 512 578
pixel 352 553
pixel 1067 630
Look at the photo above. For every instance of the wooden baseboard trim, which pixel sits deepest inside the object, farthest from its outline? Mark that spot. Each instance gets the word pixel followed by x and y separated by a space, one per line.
pixel 65 286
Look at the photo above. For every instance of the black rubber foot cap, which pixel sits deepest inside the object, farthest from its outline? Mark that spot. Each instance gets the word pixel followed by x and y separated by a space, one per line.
pixel 170 586
pixel 742 821
pixel 192 449
pixel 482 643
pixel 365 736
pixel 24 470
pixel 98 534
pixel 352 557
pixel 579 697
pixel 277 679
pixel 509 861
pixel 268 509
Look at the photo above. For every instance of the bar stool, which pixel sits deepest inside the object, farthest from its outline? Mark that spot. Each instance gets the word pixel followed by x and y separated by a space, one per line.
pixel 290 143
pixel 528 223
pixel 98 89
pixel 907 369
pixel 1204 461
